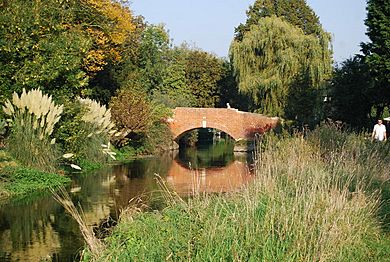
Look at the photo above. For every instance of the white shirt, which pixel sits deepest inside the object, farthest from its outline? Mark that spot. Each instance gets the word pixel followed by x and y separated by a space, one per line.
pixel 379 132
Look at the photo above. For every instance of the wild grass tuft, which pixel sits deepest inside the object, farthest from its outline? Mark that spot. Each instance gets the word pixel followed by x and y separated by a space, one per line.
pixel 98 115
pixel 85 131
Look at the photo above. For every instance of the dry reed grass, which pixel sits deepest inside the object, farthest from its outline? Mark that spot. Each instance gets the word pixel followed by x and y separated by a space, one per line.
pixel 95 246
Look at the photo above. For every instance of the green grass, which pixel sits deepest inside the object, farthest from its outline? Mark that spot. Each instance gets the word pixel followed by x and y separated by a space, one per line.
pixel 312 200
pixel 21 181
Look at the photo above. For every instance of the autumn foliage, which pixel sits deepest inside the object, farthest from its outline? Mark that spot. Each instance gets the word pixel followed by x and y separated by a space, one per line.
pixel 115 27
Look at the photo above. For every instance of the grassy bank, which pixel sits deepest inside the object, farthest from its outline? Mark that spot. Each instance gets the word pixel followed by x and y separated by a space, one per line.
pixel 17 181
pixel 313 199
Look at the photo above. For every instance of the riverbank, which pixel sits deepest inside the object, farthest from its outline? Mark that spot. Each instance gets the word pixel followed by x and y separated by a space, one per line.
pixel 18 181
pixel 321 198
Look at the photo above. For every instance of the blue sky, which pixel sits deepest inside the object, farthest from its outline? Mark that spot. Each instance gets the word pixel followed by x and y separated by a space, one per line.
pixel 209 24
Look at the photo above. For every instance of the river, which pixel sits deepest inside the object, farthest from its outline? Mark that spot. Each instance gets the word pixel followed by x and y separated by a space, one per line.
pixel 37 228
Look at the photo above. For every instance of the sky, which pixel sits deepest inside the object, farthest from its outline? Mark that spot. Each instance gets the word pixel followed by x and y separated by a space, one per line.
pixel 209 24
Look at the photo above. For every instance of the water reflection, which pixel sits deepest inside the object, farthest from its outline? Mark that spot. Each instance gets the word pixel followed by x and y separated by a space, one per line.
pixel 39 228
pixel 213 179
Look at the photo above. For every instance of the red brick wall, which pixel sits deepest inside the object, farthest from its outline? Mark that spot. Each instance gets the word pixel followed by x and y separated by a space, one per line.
pixel 238 124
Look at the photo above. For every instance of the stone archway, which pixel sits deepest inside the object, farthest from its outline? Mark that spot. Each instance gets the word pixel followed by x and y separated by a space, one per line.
pixel 239 125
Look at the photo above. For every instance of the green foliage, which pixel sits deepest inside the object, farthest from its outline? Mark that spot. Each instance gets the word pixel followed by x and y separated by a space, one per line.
pixel 3 131
pixel 174 90
pixel 276 64
pixel 39 49
pixel 60 45
pixel 79 137
pixel 203 71
pixel 351 93
pixel 172 76
pixel 377 52
pixel 228 89
pixel 90 165
pixel 126 153
pixel 22 181
pixel 158 138
pixel 151 62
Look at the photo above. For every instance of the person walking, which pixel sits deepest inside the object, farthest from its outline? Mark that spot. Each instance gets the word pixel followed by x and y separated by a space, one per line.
pixel 379 132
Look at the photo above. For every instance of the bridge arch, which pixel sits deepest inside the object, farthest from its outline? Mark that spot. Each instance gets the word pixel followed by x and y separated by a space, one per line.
pixel 209 126
pixel 239 125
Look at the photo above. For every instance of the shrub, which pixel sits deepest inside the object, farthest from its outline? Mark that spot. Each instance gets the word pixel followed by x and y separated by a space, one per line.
pixel 131 113
pixel 33 117
pixel 140 120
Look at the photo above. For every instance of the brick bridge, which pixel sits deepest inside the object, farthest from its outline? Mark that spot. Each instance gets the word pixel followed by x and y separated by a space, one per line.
pixel 239 125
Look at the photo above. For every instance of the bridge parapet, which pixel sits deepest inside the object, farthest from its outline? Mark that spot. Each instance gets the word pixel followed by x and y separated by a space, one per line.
pixel 238 124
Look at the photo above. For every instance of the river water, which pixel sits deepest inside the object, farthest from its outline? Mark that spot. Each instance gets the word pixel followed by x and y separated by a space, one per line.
pixel 37 228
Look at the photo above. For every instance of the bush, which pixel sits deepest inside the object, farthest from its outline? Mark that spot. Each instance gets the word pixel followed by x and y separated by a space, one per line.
pixel 131 112
pixel 140 121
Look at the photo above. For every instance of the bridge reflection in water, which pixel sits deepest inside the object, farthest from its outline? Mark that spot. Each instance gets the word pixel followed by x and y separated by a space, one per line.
pixel 186 181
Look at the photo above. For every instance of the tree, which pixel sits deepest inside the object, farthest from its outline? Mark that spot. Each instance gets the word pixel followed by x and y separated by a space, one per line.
pixel 377 52
pixel 351 93
pixel 203 71
pixel 228 89
pixel 174 91
pixel 151 62
pixel 296 12
pixel 275 60
pixel 39 49
pixel 59 45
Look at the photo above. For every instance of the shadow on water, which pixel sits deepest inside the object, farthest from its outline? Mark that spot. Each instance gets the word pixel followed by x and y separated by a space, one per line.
pixel 41 230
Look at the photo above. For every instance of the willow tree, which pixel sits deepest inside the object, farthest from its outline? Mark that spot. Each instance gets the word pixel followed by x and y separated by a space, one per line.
pixel 280 66
pixel 296 12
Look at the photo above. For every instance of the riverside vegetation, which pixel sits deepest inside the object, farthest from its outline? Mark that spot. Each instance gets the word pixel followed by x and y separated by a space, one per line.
pixel 33 136
pixel 324 198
